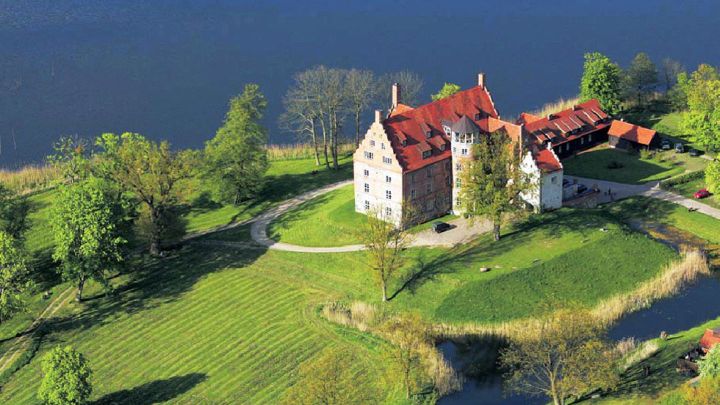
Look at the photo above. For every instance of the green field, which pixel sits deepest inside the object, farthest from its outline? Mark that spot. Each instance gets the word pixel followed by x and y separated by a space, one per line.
pixel 594 164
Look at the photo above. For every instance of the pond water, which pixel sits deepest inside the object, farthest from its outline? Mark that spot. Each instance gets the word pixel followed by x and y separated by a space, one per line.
pixel 166 68
pixel 673 314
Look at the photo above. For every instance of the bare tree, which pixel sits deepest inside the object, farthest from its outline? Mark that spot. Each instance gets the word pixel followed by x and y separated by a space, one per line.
pixel 360 88
pixel 385 242
pixel 301 113
pixel 410 83
pixel 671 69
pixel 332 103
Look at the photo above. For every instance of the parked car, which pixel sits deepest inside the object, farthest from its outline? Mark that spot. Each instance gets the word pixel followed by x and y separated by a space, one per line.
pixel 702 193
pixel 665 144
pixel 581 188
pixel 679 148
pixel 694 152
pixel 440 227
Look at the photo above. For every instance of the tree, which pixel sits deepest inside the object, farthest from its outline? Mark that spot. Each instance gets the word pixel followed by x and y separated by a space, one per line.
pixel 677 95
pixel 641 77
pixel 706 392
pixel 360 90
pixel 71 157
pixel 236 158
pixel 712 176
pixel 329 379
pixel 14 211
pixel 410 84
pixel 670 71
pixel 702 119
pixel 567 356
pixel 302 114
pixel 447 90
pixel 66 377
pixel 151 172
pixel 492 180
pixel 710 365
pixel 14 276
pixel 602 80
pixel 87 220
pixel 409 335
pixel 385 243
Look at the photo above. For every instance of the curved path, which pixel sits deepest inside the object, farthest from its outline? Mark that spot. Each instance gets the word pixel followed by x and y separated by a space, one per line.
pixel 462 230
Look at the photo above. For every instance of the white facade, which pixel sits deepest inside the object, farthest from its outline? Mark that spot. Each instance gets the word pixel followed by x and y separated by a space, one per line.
pixel 547 193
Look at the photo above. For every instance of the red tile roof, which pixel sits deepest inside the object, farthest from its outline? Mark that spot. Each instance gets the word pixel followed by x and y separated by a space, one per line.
pixel 406 122
pixel 710 339
pixel 568 124
pixel 546 160
pixel 630 132
pixel 526 118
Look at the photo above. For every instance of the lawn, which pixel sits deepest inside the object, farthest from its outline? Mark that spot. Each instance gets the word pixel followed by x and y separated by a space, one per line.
pixel 327 220
pixel 595 164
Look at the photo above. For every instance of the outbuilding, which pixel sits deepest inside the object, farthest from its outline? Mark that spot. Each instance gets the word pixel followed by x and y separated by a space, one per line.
pixel 623 135
pixel 710 339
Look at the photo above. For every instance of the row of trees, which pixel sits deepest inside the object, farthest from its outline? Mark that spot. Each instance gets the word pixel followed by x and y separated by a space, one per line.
pixel 321 100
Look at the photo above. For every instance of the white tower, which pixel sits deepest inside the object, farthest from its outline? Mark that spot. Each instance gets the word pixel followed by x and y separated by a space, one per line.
pixel 464 133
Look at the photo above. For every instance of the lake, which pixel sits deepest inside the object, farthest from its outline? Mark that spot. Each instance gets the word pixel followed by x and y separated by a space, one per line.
pixel 167 68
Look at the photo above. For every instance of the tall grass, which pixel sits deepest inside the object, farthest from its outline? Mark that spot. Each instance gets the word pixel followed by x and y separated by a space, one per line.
pixel 631 353
pixel 692 265
pixel 30 178
pixel 303 151
pixel 555 106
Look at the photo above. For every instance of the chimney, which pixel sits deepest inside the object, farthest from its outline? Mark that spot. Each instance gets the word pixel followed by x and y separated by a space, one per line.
pixel 481 80
pixel 378 116
pixel 395 95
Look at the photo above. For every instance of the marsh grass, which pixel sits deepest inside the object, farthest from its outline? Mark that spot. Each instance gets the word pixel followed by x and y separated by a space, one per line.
pixel 556 106
pixel 303 151
pixel 30 178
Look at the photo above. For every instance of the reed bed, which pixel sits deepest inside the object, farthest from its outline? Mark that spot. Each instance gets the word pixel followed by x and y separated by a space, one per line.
pixel 30 178
pixel 555 106
pixel 631 352
pixel 303 151
pixel 692 265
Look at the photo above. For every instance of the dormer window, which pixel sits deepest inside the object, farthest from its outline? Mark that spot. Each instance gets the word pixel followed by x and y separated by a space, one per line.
pixel 442 146
pixel 447 130
pixel 477 116
pixel 428 134
pixel 426 154
pixel 404 142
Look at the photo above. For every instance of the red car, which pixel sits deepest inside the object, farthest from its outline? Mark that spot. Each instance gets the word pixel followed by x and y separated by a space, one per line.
pixel 702 194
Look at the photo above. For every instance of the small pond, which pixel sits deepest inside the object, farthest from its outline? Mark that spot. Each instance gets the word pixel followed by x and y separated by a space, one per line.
pixel 673 314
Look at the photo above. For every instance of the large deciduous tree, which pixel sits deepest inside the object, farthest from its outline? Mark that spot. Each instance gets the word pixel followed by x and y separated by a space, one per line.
pixel 14 276
pixel 14 209
pixel 236 158
pixel 670 71
pixel 702 119
pixel 151 172
pixel 302 114
pixel 492 181
pixel 567 356
pixel 447 90
pixel 360 90
pixel 66 377
pixel 385 243
pixel 712 176
pixel 411 85
pixel 87 220
pixel 602 80
pixel 641 77
pixel 72 158
pixel 710 366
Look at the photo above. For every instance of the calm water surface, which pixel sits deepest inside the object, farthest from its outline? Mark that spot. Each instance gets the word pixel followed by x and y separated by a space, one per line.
pixel 167 68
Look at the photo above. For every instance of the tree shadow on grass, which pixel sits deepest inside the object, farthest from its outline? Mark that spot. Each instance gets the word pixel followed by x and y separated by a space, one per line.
pixel 153 392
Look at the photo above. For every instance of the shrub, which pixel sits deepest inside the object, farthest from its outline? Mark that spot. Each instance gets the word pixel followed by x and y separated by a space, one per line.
pixel 614 164
pixel 710 365
pixel 682 179
pixel 646 154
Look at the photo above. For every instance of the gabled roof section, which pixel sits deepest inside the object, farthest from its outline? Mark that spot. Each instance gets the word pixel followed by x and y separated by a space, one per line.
pixel 632 133
pixel 409 123
pixel 569 124
pixel 546 160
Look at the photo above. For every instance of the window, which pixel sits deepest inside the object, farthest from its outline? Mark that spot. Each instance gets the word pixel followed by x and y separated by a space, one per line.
pixel 382 145
pixel 412 178
pixel 567 147
pixel 404 142
pixel 589 137
pixel 388 179
pixel 457 183
pixel 448 181
pixel 477 116
pixel 388 212
pixel 372 143
pixel 428 134
pixel 368 155
pixel 387 160
pixel 367 205
pixel 447 166
pixel 458 167
pixel 428 171
pixel 454 149
pixel 582 141
pixel 388 195
pixel 446 129
pixel 464 152
pixel 366 172
pixel 412 194
pixel 426 154
pixel 367 188
pixel 553 180
pixel 428 188
pixel 442 146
